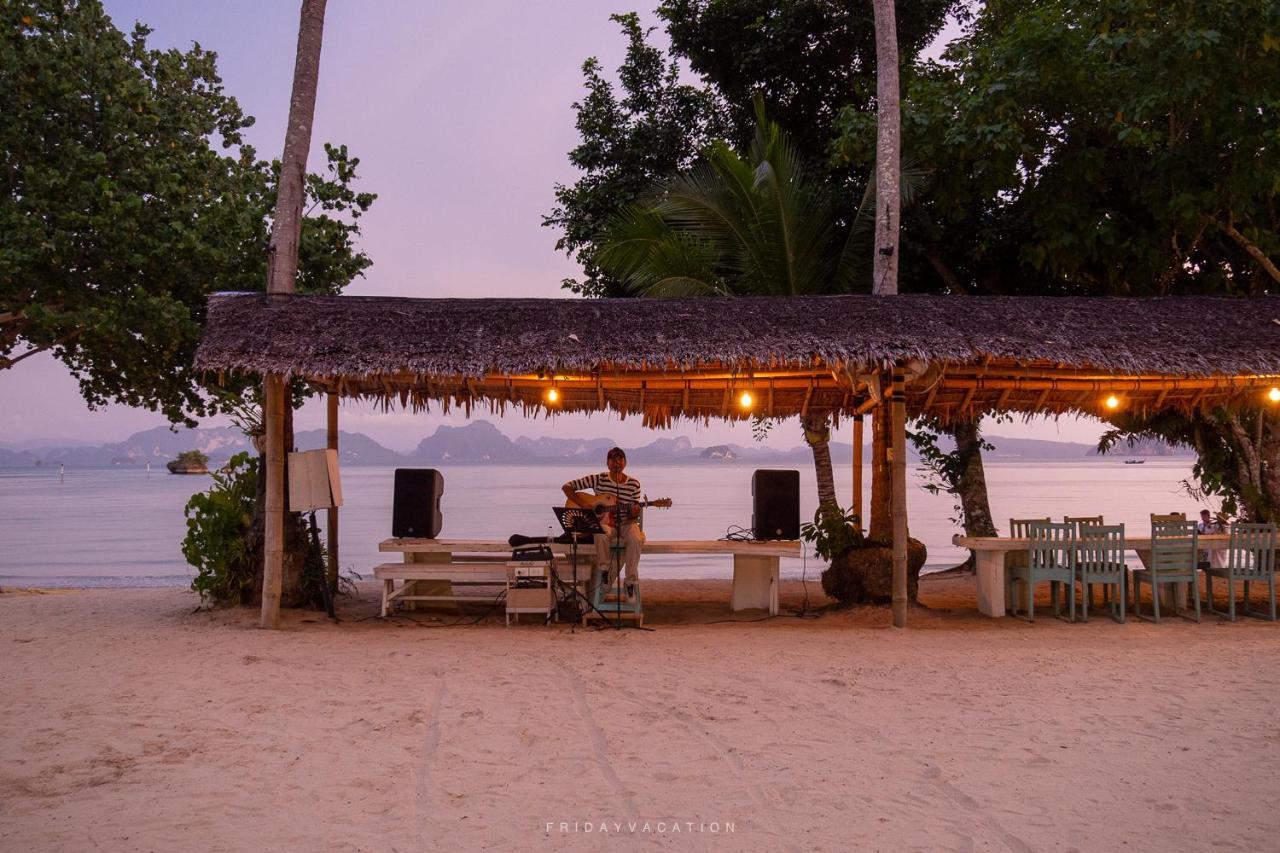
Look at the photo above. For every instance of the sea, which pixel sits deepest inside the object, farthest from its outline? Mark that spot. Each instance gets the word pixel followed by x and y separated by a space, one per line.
pixel 98 527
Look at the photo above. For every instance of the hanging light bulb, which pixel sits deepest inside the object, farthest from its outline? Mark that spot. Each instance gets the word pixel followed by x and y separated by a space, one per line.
pixel 1112 402
pixel 553 395
pixel 745 401
pixel 1274 395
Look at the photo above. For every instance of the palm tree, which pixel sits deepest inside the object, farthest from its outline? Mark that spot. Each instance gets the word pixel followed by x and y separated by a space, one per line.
pixel 754 225
pixel 286 230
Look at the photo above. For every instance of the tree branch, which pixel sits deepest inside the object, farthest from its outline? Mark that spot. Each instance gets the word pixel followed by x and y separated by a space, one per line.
pixel 1256 253
pixel 6 363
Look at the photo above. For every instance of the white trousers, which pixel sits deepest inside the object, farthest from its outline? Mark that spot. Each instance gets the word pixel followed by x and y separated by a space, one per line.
pixel 633 538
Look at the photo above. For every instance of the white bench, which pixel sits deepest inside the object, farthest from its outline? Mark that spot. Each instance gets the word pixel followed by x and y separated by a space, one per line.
pixel 433 567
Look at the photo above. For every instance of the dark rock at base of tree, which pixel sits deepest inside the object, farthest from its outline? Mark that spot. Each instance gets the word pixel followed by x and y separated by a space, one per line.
pixel 865 575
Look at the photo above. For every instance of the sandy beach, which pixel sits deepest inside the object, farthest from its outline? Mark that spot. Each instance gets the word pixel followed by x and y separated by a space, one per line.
pixel 129 721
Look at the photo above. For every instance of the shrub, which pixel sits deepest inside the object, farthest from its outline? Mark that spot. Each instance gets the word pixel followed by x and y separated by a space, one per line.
pixel 219 528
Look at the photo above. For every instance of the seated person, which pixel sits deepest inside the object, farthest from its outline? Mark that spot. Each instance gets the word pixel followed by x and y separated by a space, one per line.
pixel 613 487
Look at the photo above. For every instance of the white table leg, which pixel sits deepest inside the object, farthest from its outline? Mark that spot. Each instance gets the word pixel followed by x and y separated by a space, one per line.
pixel 990 565
pixel 755 583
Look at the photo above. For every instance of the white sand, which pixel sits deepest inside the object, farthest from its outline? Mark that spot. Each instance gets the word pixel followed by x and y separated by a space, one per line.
pixel 129 723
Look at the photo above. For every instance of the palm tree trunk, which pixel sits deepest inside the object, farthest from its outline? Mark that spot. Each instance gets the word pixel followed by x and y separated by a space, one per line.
pixel 286 233
pixel 817 434
pixel 888 193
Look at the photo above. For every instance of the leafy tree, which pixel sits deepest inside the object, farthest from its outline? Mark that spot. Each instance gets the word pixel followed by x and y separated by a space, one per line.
pixel 654 128
pixel 806 58
pixel 127 195
pixel 1098 146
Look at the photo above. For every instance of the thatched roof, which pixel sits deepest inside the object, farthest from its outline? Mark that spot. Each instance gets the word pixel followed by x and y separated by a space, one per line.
pixel 685 356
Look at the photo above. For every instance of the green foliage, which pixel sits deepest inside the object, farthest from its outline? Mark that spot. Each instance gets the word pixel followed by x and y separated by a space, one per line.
pixel 943 468
pixel 806 58
pixel 734 225
pixel 193 458
pixel 127 196
pixel 833 533
pixel 1096 146
pixel 654 128
pixel 219 524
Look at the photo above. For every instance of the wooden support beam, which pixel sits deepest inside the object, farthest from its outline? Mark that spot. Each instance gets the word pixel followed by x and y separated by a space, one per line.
pixel 968 398
pixel 857 470
pixel 273 533
pixel 804 407
pixel 899 474
pixel 1044 393
pixel 1164 392
pixel 768 410
pixel 331 528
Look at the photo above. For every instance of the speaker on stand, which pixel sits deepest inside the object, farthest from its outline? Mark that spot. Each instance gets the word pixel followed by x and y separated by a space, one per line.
pixel 415 510
pixel 775 504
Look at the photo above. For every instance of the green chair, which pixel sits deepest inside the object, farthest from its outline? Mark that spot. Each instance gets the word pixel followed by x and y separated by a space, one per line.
pixel 1051 556
pixel 1019 528
pixel 1100 560
pixel 1173 560
pixel 1251 557
pixel 1080 521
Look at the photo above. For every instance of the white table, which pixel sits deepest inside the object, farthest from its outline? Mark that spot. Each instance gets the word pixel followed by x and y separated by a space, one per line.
pixel 989 553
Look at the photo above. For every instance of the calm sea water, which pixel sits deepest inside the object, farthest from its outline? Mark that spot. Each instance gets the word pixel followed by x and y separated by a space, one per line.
pixel 121 527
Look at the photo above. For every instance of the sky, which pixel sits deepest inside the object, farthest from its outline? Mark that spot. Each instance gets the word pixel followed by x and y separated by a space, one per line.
pixel 461 112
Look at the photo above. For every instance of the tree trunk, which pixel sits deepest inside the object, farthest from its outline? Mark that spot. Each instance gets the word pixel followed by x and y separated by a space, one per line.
pixel 286 233
pixel 286 222
pixel 971 484
pixel 817 434
pixel 881 527
pixel 888 192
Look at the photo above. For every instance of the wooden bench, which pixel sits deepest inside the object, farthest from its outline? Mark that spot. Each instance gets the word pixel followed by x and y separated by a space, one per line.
pixel 432 568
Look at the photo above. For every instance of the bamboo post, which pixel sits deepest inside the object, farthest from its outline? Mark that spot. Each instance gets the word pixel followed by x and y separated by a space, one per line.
pixel 273 540
pixel 332 526
pixel 857 471
pixel 899 467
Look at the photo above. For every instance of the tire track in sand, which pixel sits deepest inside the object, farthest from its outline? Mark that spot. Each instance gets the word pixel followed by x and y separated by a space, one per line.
pixel 599 745
pixel 422 784
pixel 969 804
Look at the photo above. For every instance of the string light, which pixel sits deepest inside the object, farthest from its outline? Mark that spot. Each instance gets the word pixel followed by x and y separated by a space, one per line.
pixel 1113 402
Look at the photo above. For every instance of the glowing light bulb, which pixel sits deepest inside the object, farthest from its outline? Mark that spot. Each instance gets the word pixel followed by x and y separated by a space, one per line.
pixel 1113 402
pixel 1274 395
pixel 745 400
pixel 553 396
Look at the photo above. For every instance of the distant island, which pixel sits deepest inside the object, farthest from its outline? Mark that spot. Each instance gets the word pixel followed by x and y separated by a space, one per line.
pixel 189 462
pixel 481 442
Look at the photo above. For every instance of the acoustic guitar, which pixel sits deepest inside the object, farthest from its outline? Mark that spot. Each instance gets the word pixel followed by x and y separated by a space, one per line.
pixel 603 506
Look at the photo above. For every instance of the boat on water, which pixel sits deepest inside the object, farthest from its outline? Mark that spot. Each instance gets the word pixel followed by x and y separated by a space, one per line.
pixel 1135 461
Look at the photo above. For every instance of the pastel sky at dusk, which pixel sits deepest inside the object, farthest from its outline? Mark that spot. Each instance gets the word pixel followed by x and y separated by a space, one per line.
pixel 461 114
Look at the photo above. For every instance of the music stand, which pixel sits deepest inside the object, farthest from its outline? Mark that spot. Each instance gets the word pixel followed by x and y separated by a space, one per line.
pixel 577 522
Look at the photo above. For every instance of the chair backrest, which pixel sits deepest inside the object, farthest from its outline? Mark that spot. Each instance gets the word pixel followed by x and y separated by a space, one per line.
pixel 1100 547
pixel 1173 547
pixel 1253 549
pixel 1020 528
pixel 1157 518
pixel 1051 545
pixel 1080 521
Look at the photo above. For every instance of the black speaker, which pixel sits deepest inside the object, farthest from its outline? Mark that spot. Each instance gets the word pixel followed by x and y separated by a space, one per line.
pixel 775 504
pixel 415 511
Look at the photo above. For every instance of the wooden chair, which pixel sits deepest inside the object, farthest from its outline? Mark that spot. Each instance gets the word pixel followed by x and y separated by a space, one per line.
pixel 1080 521
pixel 1158 518
pixel 1100 560
pixel 1019 528
pixel 1251 557
pixel 1174 554
pixel 1051 556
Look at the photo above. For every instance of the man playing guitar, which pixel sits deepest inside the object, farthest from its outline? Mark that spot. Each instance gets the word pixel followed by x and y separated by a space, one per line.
pixel 617 496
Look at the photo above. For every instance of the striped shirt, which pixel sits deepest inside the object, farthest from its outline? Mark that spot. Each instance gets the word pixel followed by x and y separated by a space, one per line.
pixel 603 484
